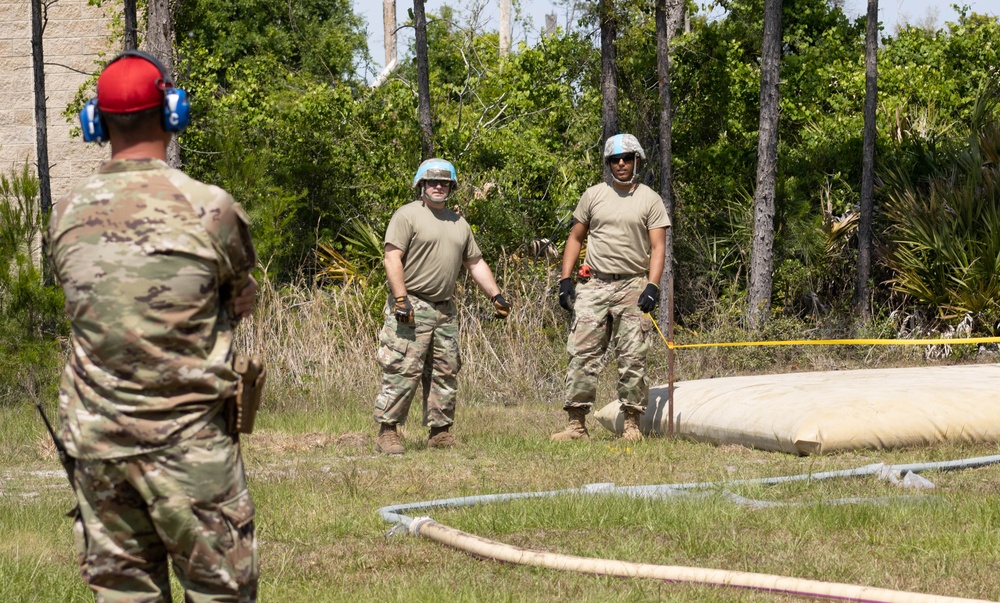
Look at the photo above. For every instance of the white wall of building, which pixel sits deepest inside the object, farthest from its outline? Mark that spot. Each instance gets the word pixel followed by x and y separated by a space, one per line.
pixel 74 37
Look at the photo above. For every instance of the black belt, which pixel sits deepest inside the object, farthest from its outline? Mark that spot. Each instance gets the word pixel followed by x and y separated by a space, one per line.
pixel 436 304
pixel 392 300
pixel 604 276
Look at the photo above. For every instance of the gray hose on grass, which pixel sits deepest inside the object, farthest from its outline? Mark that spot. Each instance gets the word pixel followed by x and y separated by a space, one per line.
pixel 490 549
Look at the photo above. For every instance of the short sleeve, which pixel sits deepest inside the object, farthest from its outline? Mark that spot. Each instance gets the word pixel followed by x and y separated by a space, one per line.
pixel 400 231
pixel 472 250
pixel 582 213
pixel 657 215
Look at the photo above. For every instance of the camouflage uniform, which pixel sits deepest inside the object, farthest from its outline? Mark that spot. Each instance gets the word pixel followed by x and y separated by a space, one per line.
pixel 436 243
pixel 425 352
pixel 150 261
pixel 606 311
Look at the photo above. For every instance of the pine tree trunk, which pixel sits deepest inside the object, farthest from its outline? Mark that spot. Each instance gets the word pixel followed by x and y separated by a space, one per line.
pixel 609 72
pixel 423 84
pixel 160 43
pixel 668 17
pixel 862 291
pixel 762 254
pixel 41 115
pixel 38 21
pixel 389 27
pixel 504 27
pixel 131 25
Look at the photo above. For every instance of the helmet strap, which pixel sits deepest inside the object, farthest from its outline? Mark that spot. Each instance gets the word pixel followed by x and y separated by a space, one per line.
pixel 425 198
pixel 635 173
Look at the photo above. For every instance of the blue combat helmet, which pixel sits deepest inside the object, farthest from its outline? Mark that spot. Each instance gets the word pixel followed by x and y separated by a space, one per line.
pixel 621 144
pixel 436 169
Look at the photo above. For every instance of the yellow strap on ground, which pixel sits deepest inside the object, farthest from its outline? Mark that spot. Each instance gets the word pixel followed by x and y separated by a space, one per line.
pixel 735 344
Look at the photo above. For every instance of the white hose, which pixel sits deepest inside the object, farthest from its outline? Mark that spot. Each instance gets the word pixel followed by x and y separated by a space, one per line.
pixel 491 549
pixel 498 551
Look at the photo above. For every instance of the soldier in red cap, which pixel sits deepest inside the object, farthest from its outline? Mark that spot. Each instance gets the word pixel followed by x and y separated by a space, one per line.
pixel 156 271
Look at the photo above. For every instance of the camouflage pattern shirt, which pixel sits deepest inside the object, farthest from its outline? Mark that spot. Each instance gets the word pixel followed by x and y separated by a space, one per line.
pixel 149 260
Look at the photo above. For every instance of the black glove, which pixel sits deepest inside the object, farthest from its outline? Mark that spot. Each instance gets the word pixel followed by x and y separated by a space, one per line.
pixel 650 295
pixel 566 294
pixel 403 310
pixel 501 305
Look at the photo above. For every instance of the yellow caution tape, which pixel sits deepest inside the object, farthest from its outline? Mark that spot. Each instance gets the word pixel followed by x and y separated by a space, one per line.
pixel 971 340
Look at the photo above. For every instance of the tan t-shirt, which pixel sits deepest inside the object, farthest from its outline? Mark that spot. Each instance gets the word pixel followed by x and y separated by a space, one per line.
pixel 619 225
pixel 435 244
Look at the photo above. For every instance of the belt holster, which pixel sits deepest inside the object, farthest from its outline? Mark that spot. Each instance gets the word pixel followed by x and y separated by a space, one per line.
pixel 249 390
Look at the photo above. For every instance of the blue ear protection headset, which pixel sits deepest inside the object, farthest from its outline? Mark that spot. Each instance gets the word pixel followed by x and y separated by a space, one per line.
pixel 176 108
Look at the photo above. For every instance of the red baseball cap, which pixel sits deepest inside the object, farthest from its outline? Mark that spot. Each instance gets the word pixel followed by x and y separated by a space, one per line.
pixel 129 84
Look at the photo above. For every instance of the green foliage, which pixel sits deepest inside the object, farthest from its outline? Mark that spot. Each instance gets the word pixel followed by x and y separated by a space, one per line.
pixel 31 313
pixel 323 38
pixel 946 223
pixel 283 121
pixel 309 157
pixel 518 129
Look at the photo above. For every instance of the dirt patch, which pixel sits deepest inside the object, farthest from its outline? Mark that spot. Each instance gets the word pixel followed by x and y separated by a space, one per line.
pixel 352 440
pixel 736 449
pixel 265 441
pixel 282 442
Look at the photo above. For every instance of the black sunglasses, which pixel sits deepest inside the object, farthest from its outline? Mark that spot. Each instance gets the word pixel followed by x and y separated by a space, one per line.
pixel 627 157
pixel 435 183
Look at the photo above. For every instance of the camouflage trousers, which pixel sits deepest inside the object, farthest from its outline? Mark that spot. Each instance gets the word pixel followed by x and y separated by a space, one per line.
pixel 425 354
pixel 607 312
pixel 188 503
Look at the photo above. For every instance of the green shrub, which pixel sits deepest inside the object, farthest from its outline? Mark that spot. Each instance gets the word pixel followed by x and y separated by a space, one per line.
pixel 31 313
pixel 944 206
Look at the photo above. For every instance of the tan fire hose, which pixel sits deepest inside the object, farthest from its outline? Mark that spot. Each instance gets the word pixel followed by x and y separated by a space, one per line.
pixel 498 551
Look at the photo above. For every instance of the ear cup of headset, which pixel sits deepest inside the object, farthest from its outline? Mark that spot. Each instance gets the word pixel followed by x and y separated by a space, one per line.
pixel 176 107
pixel 92 124
pixel 176 110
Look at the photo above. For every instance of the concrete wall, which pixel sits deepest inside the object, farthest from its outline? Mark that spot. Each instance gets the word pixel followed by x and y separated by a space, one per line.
pixel 74 36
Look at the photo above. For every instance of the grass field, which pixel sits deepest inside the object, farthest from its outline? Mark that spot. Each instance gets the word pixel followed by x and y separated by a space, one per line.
pixel 317 484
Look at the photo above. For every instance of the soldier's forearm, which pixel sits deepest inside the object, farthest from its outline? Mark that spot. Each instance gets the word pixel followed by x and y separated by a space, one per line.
pixel 394 275
pixel 483 276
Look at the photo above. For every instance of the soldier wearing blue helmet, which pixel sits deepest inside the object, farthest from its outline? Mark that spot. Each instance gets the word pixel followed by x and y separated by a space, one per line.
pixel 436 169
pixel 426 245
pixel 625 225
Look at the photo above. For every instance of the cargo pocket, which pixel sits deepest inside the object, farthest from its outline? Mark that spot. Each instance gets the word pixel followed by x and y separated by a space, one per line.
pixel 242 553
pixel 79 538
pixel 239 510
pixel 646 325
pixel 391 351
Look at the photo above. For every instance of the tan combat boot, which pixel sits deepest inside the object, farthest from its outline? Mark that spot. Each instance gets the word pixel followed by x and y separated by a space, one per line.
pixel 632 432
pixel 440 438
pixel 576 429
pixel 389 441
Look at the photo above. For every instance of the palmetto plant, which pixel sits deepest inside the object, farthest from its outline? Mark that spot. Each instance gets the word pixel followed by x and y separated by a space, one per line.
pixel 945 221
pixel 359 260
